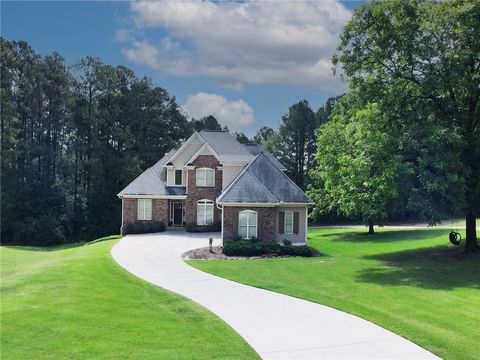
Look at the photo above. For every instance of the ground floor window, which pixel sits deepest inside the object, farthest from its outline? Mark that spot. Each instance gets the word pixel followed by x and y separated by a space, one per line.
pixel 288 222
pixel 204 212
pixel 144 209
pixel 247 224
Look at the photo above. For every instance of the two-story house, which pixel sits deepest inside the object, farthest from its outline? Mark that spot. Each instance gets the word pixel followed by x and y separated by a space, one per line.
pixel 213 179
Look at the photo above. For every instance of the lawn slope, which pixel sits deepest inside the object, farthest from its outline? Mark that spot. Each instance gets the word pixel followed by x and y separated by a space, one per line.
pixel 77 303
pixel 411 282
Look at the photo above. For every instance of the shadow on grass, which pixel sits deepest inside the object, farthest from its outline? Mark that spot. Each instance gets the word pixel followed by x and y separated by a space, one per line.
pixel 440 267
pixel 62 246
pixel 393 235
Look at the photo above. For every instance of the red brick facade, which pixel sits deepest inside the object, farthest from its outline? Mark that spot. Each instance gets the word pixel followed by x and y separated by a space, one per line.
pixel 159 210
pixel 265 222
pixel 198 193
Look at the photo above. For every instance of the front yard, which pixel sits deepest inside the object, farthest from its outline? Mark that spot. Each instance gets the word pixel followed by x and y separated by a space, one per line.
pixel 75 302
pixel 411 282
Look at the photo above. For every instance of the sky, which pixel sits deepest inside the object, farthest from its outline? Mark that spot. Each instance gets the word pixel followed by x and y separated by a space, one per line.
pixel 243 62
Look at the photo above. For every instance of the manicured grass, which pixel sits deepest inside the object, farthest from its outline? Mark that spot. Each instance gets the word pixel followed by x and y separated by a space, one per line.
pixel 75 302
pixel 411 282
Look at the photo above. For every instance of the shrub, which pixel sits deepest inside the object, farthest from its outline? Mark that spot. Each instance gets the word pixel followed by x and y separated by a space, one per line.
pixel 237 238
pixel 286 242
pixel 248 248
pixel 303 250
pixel 143 227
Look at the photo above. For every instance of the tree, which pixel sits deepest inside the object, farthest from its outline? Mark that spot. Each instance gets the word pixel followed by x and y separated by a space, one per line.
pixel 71 139
pixel 263 135
pixel 357 163
pixel 206 123
pixel 323 113
pixel 241 137
pixel 408 55
pixel 295 145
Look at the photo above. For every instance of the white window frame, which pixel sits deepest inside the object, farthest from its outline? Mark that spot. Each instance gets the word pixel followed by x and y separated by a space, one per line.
pixel 204 220
pixel 286 223
pixel 249 226
pixel 202 181
pixel 144 209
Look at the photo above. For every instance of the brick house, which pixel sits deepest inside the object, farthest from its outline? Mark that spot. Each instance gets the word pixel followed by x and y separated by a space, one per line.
pixel 214 182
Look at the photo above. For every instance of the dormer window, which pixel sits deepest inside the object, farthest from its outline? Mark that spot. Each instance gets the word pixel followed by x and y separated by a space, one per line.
pixel 205 177
pixel 178 177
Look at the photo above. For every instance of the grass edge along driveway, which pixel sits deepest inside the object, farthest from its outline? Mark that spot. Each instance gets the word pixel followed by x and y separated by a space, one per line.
pixel 411 282
pixel 75 302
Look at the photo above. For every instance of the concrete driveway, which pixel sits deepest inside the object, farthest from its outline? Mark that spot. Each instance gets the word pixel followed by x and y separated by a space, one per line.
pixel 276 326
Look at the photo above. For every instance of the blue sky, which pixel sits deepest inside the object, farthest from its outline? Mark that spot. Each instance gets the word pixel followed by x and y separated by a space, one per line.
pixel 244 62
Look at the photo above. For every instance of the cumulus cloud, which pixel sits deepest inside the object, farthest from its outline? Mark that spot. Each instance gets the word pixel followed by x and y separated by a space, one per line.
pixel 235 114
pixel 238 43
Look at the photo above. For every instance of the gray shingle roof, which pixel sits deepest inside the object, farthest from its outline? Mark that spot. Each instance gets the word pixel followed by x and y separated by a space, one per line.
pixel 226 146
pixel 263 182
pixel 153 181
pixel 256 149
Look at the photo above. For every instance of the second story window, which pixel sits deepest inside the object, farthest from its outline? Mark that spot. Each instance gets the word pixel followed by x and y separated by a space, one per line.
pixel 205 177
pixel 178 177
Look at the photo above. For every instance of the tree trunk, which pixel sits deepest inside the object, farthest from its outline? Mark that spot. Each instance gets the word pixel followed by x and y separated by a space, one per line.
pixel 371 230
pixel 471 230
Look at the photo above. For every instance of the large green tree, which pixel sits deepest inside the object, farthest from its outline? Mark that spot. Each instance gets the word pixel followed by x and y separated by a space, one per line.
pixel 357 164
pixel 424 55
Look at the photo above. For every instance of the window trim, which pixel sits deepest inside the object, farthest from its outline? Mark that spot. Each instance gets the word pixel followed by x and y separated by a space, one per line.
pixel 204 170
pixel 204 203
pixel 248 223
pixel 143 211
pixel 288 213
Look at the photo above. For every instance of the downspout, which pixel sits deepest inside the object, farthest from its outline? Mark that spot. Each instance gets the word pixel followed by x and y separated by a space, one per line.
pixel 221 209
pixel 121 227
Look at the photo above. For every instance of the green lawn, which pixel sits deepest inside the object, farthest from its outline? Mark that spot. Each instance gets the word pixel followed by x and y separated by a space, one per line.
pixel 411 282
pixel 77 303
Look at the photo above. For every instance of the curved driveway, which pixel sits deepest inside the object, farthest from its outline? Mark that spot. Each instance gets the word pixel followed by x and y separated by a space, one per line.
pixel 276 326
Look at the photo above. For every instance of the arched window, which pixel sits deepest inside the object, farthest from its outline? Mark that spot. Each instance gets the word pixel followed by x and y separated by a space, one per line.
pixel 247 224
pixel 204 212
pixel 205 177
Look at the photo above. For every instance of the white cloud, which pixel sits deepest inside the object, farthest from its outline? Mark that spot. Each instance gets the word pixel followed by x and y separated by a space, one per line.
pixel 238 43
pixel 235 114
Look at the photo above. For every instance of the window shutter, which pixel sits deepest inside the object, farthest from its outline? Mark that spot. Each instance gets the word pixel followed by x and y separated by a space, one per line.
pixel 281 222
pixel 296 221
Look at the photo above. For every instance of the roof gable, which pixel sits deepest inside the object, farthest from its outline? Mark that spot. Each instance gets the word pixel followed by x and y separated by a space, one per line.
pixel 256 149
pixel 263 182
pixel 229 150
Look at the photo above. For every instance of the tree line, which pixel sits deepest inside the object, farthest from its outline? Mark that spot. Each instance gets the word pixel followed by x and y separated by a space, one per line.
pixel 72 137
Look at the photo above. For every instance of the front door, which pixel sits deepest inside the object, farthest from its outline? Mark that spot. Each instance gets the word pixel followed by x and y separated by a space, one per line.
pixel 178 213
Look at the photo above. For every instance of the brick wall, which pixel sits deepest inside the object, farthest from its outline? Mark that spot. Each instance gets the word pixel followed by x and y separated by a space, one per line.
pixel 265 222
pixel 197 193
pixel 159 210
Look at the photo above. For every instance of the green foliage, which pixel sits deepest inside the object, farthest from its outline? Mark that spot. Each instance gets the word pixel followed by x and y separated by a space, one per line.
pixel 143 227
pixel 206 123
pixel 263 135
pixel 357 164
pixel 71 139
pixel 256 248
pixel 419 60
pixel 294 145
pixel 241 137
